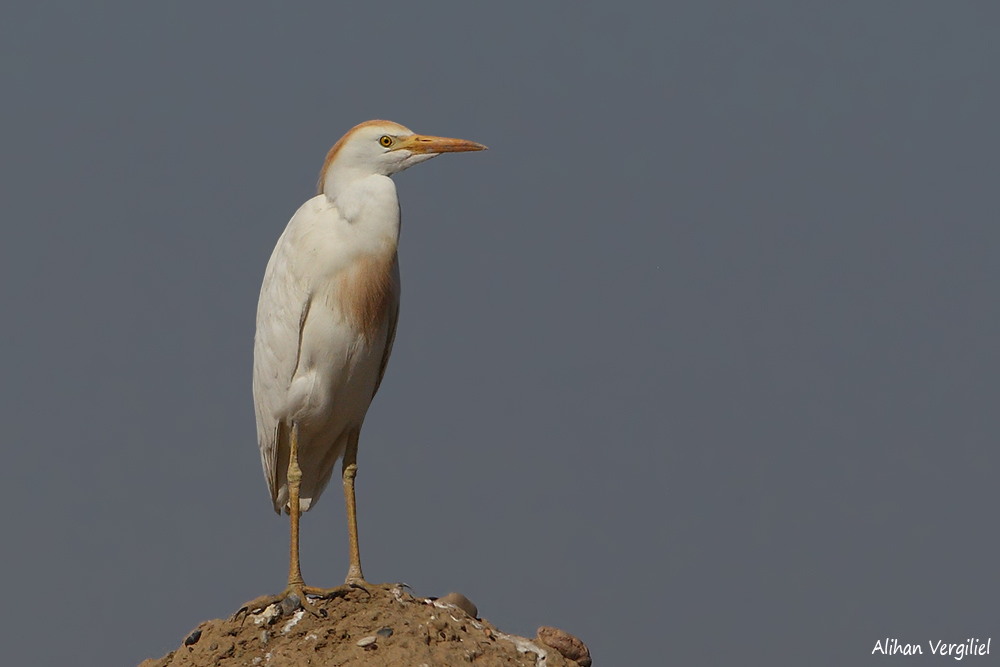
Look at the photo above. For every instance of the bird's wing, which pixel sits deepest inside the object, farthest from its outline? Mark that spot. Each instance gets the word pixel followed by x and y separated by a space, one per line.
pixel 393 319
pixel 282 309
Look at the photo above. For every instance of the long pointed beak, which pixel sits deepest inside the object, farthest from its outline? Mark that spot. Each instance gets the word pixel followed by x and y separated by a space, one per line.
pixel 418 143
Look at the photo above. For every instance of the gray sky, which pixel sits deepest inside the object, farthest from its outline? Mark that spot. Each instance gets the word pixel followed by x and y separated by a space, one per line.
pixel 699 362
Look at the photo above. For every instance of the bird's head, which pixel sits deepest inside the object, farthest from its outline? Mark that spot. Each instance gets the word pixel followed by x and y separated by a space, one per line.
pixel 385 148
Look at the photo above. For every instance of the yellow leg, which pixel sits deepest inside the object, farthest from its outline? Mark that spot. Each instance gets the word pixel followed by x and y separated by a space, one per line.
pixel 294 479
pixel 296 586
pixel 350 471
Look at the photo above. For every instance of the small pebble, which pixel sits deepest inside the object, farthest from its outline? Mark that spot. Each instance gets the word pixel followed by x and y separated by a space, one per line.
pixel 462 602
pixel 385 632
pixel 264 636
pixel 269 616
pixel 193 638
pixel 213 646
pixel 290 605
pixel 367 641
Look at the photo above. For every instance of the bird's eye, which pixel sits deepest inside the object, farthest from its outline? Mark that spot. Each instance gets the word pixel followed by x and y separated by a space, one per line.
pixel 386 140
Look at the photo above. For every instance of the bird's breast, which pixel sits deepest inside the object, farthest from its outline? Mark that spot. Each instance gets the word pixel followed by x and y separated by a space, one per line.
pixel 342 341
pixel 363 293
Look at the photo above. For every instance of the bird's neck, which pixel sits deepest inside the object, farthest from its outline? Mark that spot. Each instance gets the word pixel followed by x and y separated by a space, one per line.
pixel 367 202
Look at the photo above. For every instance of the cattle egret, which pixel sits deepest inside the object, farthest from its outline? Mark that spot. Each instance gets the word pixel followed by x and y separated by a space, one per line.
pixel 326 321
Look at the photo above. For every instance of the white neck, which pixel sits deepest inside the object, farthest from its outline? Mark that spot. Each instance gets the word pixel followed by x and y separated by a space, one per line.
pixel 367 202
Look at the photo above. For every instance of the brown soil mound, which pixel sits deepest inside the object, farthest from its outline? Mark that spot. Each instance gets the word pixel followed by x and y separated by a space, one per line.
pixel 388 627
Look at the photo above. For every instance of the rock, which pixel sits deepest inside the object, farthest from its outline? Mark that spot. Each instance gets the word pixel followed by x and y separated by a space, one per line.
pixel 269 616
pixel 193 638
pixel 424 631
pixel 568 646
pixel 290 605
pixel 462 602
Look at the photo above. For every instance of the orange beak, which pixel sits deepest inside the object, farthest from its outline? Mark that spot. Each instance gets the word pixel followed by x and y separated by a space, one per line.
pixel 421 144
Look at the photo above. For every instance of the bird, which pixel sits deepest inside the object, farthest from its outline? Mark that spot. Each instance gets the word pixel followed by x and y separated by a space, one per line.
pixel 326 322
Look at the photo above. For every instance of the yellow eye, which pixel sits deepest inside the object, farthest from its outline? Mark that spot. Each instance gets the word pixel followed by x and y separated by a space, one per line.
pixel 386 140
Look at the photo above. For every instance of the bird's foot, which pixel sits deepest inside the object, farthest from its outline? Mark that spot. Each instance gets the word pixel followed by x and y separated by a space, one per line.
pixel 297 596
pixel 289 601
pixel 339 591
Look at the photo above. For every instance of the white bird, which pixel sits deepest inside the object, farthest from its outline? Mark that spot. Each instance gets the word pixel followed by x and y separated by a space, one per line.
pixel 326 321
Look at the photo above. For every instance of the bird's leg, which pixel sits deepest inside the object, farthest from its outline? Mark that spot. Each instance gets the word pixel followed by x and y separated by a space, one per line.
pixel 354 577
pixel 350 471
pixel 294 480
pixel 296 586
pixel 355 580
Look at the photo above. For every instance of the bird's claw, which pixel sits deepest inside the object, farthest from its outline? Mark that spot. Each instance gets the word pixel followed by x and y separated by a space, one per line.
pixel 297 597
pixel 291 600
pixel 337 591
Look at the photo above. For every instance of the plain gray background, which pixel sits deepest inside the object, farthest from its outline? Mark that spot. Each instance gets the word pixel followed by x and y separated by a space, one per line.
pixel 699 362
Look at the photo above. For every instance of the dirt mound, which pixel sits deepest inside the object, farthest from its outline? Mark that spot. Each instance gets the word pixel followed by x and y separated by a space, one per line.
pixel 387 627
